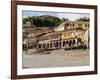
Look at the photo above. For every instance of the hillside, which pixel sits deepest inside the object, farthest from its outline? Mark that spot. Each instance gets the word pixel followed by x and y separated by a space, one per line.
pixel 44 20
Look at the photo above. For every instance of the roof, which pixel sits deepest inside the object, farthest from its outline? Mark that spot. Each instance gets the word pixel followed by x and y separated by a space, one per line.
pixel 52 33
pixel 77 22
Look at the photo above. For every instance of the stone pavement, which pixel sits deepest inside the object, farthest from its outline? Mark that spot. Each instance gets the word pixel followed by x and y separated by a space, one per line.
pixel 56 58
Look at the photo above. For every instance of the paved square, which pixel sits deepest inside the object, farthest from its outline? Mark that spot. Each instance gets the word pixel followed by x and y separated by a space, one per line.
pixel 56 58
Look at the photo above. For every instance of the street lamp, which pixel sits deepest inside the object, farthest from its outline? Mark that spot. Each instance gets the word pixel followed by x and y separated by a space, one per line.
pixel 25 42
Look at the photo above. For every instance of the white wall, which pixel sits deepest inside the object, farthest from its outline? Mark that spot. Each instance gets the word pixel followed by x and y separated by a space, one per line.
pixel 5 37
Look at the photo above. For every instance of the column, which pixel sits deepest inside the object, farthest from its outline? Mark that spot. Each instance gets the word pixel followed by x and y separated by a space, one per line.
pixel 41 46
pixel 58 44
pixel 62 44
pixel 67 43
pixel 76 42
pixel 52 44
pixel 49 45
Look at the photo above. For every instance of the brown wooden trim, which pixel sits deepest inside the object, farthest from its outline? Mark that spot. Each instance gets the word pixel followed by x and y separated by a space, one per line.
pixel 95 40
pixel 14 38
pixel 56 74
pixel 55 4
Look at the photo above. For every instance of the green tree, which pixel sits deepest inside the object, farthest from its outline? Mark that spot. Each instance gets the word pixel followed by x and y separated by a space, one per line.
pixel 44 20
pixel 83 19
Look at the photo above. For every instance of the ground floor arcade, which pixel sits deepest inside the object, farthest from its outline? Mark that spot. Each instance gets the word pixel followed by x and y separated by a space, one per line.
pixel 55 44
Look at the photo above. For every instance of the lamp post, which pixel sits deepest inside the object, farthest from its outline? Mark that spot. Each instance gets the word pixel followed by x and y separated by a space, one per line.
pixel 25 42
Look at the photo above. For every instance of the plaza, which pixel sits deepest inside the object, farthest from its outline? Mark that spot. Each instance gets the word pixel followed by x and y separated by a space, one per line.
pixel 56 58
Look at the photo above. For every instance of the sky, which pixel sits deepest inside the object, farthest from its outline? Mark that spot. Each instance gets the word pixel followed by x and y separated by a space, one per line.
pixel 70 16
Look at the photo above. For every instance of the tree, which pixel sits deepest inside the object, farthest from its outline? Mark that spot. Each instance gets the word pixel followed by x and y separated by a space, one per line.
pixel 44 20
pixel 65 19
pixel 83 19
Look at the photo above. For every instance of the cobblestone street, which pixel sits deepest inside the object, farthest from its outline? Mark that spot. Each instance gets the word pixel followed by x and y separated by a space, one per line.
pixel 56 58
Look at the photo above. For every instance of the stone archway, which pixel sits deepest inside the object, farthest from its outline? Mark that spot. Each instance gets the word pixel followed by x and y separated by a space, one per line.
pixel 55 44
pixel 74 42
pixel 51 45
pixel 59 44
pixel 70 43
pixel 64 43
pixel 79 41
pixel 47 45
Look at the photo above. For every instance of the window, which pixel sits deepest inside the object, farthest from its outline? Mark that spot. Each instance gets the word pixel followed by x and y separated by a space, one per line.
pixel 73 25
pixel 86 25
pixel 66 24
pixel 57 36
pixel 70 24
pixel 54 37
pixel 79 24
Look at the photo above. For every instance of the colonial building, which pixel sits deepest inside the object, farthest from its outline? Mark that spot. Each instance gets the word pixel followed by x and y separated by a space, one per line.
pixel 69 34
pixel 72 25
